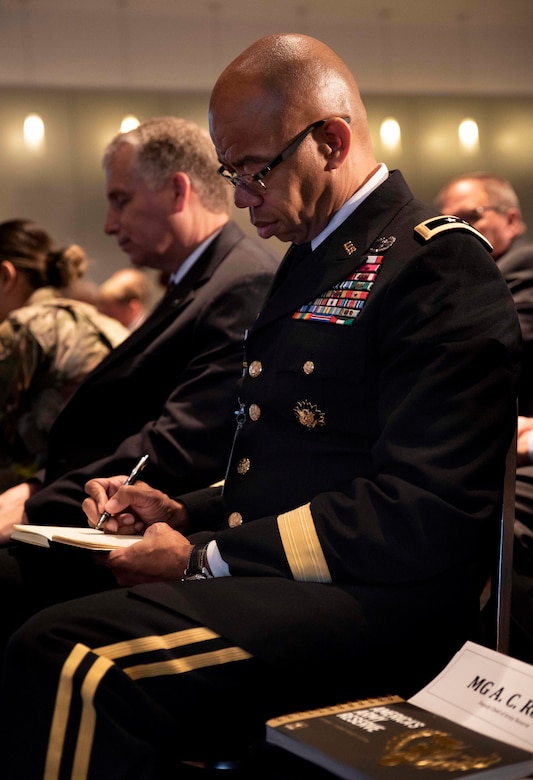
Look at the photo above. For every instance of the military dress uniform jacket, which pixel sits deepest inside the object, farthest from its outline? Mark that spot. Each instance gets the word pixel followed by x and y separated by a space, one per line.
pixel 168 390
pixel 366 475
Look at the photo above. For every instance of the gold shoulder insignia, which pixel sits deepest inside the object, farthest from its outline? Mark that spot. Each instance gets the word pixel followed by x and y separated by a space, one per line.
pixel 433 227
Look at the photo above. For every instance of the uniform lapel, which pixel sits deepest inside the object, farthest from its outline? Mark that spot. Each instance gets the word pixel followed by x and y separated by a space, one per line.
pixel 176 298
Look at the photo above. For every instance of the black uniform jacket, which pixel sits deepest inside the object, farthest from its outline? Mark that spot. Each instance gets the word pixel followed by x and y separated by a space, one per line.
pixel 366 476
pixel 168 390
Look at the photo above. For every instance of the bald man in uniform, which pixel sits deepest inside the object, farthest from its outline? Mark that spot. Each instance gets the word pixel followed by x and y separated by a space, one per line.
pixel 346 552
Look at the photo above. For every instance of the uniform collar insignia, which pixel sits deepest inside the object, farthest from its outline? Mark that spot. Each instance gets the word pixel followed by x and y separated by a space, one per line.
pixel 383 243
pixel 349 247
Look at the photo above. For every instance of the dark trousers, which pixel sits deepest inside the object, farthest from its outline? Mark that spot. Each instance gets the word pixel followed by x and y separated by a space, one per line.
pixel 114 685
pixel 133 707
pixel 121 683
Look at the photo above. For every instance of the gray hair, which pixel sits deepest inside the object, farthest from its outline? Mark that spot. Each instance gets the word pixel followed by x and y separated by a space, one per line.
pixel 167 145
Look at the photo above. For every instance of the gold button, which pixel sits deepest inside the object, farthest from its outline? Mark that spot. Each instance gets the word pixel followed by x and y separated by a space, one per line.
pixel 255 412
pixel 309 367
pixel 255 368
pixel 243 466
pixel 235 519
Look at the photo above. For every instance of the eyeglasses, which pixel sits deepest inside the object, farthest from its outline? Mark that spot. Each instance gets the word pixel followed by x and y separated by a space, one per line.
pixel 254 181
pixel 475 214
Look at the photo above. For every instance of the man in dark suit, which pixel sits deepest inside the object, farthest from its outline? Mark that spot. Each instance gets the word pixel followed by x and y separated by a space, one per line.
pixel 491 205
pixel 346 554
pixel 169 390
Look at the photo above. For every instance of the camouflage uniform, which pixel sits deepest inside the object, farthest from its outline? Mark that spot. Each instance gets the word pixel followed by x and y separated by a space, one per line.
pixel 47 347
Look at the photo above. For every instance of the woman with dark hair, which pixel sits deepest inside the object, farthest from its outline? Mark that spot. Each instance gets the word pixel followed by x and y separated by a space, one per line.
pixel 48 342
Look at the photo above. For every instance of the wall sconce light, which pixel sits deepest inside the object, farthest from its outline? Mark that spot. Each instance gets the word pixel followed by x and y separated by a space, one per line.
pixel 391 134
pixel 469 135
pixel 34 131
pixel 129 122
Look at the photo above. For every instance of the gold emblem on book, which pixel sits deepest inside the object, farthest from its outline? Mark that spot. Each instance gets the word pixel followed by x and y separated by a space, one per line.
pixel 309 415
pixel 430 749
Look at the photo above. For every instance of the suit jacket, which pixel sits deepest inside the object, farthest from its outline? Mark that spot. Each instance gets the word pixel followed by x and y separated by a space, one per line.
pixel 516 266
pixel 365 481
pixel 168 390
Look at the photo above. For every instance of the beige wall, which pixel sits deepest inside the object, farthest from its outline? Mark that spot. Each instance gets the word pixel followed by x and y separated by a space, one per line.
pixel 63 186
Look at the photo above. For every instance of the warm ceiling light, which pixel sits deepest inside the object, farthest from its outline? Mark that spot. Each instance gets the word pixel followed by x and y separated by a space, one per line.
pixel 34 131
pixel 390 133
pixel 129 122
pixel 469 135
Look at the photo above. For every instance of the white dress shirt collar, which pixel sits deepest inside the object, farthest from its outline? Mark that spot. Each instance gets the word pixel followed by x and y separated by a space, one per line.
pixel 178 275
pixel 352 203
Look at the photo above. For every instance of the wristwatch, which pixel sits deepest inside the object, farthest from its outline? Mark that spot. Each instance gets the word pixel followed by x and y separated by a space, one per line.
pixel 197 566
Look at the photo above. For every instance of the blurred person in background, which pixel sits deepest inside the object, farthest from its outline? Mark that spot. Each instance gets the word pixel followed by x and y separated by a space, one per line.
pixel 48 342
pixel 127 295
pixel 490 204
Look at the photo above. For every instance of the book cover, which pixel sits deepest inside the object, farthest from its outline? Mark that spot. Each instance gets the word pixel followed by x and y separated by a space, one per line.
pixel 88 538
pixel 391 739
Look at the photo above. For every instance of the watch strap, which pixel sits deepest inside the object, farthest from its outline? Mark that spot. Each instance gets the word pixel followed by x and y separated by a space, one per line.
pixel 197 565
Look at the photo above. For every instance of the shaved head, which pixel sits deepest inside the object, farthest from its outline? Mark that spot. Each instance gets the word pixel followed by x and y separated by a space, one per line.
pixel 299 74
pixel 291 88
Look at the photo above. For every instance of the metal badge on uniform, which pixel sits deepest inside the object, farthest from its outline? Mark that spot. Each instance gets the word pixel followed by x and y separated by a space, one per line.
pixel 309 415
pixel 243 466
pixel 349 248
pixel 383 243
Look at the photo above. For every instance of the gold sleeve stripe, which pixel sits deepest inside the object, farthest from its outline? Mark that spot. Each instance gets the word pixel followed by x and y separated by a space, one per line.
pixel 302 546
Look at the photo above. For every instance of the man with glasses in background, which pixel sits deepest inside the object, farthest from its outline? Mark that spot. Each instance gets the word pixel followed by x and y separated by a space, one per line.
pixel 491 205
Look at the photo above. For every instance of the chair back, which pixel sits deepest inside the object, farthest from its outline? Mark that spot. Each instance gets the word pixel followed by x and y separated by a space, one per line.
pixel 502 574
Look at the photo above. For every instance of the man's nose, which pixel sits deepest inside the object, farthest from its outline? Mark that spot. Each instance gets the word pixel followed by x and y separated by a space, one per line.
pixel 244 198
pixel 111 223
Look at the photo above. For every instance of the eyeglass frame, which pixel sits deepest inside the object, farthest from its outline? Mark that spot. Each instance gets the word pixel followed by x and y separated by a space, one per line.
pixel 249 179
pixel 479 211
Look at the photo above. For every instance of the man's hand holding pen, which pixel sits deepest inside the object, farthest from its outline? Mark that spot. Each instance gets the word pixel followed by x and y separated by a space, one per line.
pixel 163 552
pixel 133 477
pixel 131 508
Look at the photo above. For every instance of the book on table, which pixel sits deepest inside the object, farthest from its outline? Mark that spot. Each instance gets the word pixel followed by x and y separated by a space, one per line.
pixel 475 719
pixel 88 538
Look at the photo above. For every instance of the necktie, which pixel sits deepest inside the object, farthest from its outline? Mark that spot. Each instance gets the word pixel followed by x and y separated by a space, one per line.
pixel 291 263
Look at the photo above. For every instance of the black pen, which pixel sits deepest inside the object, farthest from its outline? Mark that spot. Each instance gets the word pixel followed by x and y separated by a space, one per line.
pixel 130 480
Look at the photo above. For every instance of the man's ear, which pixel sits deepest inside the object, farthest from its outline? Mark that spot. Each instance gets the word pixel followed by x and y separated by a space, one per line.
pixel 338 137
pixel 8 274
pixel 514 217
pixel 181 187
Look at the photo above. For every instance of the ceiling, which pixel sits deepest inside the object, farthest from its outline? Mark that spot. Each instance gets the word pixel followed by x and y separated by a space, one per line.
pixel 487 12
pixel 400 46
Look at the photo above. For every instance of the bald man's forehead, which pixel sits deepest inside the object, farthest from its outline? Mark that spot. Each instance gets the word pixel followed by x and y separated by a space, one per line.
pixel 247 131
